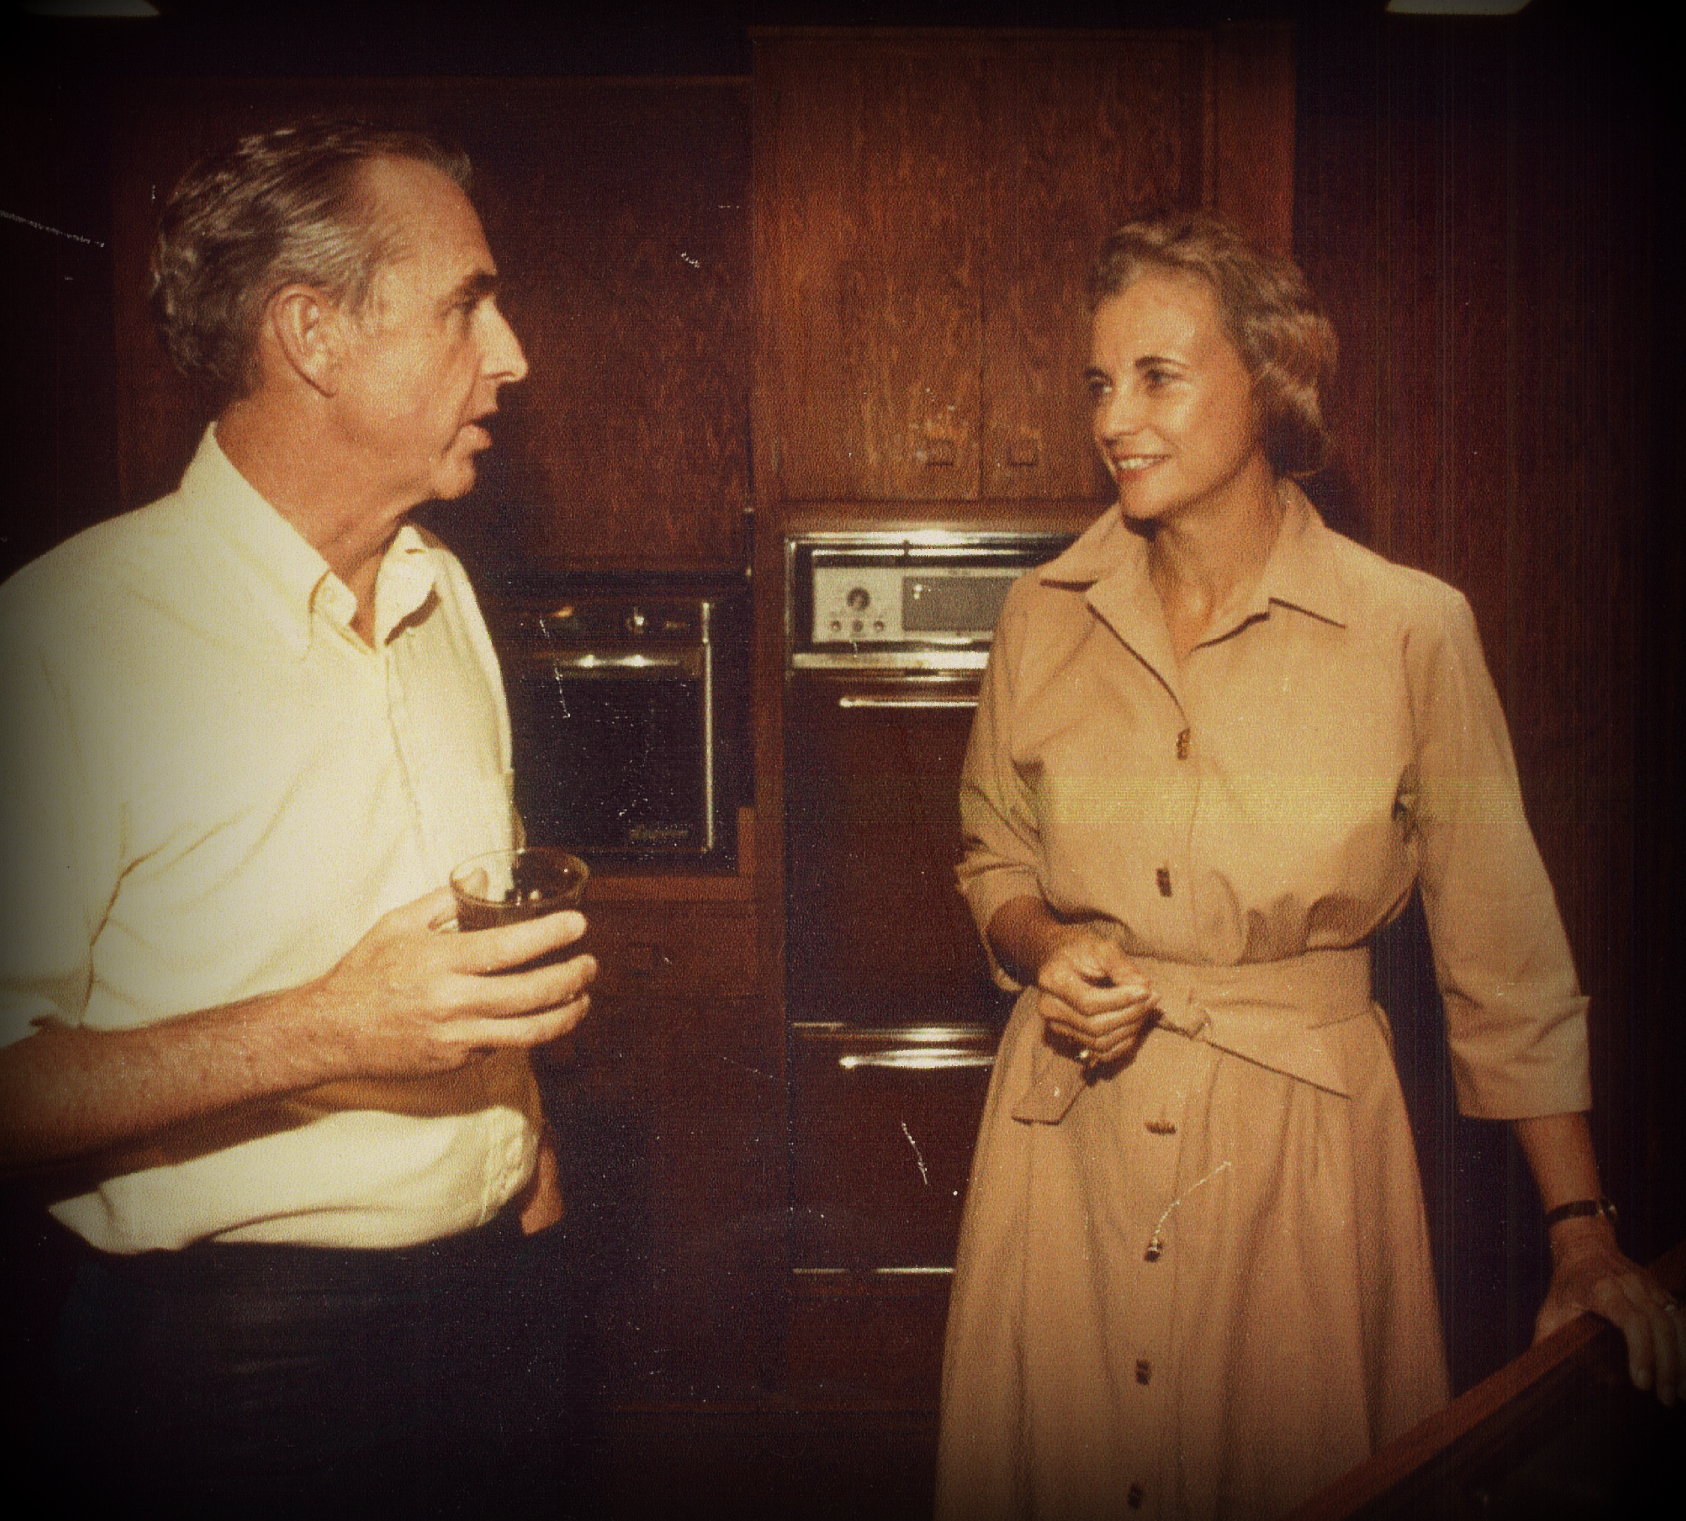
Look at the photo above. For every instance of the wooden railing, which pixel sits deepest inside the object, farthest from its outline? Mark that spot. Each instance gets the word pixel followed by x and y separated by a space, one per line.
pixel 1558 1432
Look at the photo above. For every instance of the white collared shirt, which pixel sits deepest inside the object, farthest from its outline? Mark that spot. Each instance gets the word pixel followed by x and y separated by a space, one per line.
pixel 210 789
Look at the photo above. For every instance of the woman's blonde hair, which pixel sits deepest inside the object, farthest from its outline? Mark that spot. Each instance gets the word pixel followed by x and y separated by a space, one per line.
pixel 1272 318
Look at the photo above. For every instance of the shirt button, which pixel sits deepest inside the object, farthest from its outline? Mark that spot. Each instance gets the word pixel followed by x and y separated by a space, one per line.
pixel 1182 744
pixel 1163 877
pixel 1144 1370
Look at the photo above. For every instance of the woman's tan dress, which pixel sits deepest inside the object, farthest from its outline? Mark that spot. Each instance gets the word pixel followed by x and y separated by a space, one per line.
pixel 1199 1285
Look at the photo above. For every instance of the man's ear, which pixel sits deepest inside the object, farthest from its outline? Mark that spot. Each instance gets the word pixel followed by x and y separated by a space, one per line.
pixel 307 332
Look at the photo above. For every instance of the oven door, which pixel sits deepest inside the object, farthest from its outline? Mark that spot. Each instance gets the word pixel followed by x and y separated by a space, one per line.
pixel 893 1016
pixel 877 933
pixel 614 749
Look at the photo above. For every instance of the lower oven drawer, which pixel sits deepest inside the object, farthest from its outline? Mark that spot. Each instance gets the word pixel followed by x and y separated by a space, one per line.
pixel 882 1127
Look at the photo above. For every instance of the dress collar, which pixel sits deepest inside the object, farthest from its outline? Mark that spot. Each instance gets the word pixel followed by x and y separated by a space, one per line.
pixel 1109 562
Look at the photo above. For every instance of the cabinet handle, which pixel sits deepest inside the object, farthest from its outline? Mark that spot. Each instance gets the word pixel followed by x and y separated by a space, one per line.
pixel 915 704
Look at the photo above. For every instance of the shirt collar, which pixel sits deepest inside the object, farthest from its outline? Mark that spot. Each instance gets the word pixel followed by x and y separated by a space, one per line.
pixel 288 573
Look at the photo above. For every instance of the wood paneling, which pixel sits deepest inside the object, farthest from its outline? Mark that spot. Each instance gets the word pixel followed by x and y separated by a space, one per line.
pixel 619 214
pixel 1476 206
pixel 669 1099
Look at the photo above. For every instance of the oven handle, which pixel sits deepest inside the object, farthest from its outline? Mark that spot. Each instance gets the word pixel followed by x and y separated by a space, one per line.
pixel 634 664
pixel 916 1059
pixel 907 703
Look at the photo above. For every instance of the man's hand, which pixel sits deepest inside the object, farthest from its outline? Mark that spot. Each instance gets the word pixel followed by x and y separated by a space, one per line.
pixel 413 997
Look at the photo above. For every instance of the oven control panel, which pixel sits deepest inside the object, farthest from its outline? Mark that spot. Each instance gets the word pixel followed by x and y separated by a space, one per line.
pixel 928 599
pixel 879 604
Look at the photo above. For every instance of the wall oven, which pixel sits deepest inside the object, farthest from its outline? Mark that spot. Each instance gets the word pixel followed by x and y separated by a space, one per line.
pixel 892 1017
pixel 629 712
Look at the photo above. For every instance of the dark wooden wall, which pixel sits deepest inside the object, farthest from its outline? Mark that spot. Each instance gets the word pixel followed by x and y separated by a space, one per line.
pixel 1478 203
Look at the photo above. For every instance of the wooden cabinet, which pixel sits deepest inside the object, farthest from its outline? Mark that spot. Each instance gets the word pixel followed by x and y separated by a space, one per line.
pixel 669 1103
pixel 928 206
pixel 619 214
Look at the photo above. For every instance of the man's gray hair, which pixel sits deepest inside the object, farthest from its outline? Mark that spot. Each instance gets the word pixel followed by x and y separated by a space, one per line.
pixel 288 206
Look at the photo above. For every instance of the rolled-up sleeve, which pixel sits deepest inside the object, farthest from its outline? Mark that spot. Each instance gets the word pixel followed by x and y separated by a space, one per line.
pixel 1516 1018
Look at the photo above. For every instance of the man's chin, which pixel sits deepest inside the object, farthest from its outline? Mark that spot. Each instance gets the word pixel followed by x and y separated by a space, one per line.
pixel 455 480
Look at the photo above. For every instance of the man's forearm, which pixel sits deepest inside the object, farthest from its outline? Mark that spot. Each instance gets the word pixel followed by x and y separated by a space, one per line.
pixel 70 1091
pixel 405 1001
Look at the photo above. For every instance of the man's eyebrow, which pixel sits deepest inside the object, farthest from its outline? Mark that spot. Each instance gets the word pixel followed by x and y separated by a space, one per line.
pixel 1153 361
pixel 471 288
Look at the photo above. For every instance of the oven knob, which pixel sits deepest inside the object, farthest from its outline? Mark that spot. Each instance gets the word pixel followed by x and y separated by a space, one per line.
pixel 858 599
pixel 636 621
pixel 837 625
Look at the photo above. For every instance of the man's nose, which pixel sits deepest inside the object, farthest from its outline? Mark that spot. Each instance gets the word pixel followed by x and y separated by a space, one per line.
pixel 504 360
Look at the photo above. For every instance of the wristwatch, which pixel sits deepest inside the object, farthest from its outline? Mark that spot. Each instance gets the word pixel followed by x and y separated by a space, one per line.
pixel 1576 1209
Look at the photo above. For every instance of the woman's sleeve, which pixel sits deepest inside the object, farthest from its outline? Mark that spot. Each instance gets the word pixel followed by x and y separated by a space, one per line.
pixel 1000 848
pixel 1516 1019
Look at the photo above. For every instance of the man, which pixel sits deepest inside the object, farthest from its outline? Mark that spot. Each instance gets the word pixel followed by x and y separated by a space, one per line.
pixel 247 733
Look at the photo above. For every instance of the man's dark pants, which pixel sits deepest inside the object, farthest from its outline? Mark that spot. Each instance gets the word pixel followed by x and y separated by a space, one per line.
pixel 292 1381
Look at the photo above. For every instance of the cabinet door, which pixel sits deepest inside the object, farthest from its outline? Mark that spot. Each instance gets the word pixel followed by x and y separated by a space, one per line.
pixel 619 216
pixel 868 184
pixel 669 1105
pixel 928 208
pixel 1080 137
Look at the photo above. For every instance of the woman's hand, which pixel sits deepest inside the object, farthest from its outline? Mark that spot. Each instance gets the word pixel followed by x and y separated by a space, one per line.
pixel 1590 1272
pixel 1090 991
pixel 1093 994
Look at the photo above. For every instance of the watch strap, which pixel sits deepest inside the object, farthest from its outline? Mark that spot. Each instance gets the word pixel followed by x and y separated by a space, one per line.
pixel 1577 1209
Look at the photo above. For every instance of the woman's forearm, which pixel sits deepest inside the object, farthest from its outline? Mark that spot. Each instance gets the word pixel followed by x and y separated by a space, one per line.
pixel 1023 932
pixel 1560 1155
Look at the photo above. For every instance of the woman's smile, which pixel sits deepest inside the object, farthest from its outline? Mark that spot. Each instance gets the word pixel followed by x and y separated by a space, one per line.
pixel 1174 415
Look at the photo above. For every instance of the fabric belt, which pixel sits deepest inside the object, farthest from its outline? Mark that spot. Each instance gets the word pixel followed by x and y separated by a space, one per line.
pixel 235 1265
pixel 1269 1012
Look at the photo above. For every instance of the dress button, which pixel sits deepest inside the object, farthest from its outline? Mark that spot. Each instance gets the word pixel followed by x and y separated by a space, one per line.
pixel 1144 1370
pixel 1135 1497
pixel 1163 877
pixel 1182 744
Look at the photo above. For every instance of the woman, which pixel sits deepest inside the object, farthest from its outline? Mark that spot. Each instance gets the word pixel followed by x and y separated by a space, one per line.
pixel 1217 747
